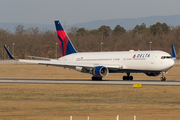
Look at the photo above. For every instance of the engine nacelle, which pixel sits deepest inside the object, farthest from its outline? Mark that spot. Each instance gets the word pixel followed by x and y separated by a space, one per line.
pixel 99 71
pixel 153 73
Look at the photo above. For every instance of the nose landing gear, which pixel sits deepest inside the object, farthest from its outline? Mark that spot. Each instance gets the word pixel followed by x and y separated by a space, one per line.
pixel 163 78
pixel 128 77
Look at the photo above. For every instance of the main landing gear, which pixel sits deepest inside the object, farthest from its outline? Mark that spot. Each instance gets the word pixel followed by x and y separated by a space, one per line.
pixel 128 77
pixel 96 78
pixel 163 78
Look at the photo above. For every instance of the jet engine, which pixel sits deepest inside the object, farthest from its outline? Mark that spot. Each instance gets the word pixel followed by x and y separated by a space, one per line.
pixel 99 71
pixel 153 73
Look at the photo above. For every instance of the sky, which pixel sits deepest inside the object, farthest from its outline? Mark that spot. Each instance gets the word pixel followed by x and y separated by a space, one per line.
pixel 79 11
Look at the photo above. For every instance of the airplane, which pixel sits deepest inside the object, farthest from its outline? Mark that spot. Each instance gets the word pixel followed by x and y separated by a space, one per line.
pixel 100 64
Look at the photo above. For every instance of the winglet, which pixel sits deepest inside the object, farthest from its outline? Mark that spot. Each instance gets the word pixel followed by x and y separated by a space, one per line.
pixel 9 54
pixel 173 51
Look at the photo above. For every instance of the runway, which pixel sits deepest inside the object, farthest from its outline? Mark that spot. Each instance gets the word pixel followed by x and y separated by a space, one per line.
pixel 86 81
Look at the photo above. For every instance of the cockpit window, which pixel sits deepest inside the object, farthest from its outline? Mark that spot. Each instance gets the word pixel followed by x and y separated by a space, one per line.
pixel 166 57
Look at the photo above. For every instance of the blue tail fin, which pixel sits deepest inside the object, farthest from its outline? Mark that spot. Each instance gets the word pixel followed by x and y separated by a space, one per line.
pixel 64 42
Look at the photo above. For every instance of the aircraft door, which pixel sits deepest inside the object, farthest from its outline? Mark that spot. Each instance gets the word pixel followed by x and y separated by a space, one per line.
pixel 161 62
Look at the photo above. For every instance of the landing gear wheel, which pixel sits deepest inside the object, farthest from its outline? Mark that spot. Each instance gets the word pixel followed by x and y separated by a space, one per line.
pixel 128 77
pixel 131 78
pixel 124 77
pixel 163 78
pixel 96 78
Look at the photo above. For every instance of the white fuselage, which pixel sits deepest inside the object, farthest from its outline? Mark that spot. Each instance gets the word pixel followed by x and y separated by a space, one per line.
pixel 133 61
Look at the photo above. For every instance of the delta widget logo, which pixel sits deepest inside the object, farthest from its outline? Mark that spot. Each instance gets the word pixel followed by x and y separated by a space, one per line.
pixel 141 55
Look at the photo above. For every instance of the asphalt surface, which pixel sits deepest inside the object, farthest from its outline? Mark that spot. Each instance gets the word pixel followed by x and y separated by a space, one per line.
pixel 86 81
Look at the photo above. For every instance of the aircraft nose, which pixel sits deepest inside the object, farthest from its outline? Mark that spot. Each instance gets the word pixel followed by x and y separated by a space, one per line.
pixel 170 63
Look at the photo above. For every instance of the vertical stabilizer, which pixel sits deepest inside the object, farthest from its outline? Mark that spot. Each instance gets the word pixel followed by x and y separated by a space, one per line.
pixel 64 41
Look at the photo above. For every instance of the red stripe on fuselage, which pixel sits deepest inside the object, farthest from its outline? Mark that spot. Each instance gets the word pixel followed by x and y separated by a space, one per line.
pixel 64 38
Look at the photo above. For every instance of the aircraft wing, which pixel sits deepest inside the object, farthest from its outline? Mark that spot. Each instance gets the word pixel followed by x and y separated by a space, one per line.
pixel 69 64
pixel 41 58
pixel 55 62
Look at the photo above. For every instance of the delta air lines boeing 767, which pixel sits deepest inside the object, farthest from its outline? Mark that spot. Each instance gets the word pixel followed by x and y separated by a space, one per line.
pixel 100 64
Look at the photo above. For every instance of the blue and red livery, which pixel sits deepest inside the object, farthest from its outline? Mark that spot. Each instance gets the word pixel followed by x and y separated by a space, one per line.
pixel 64 41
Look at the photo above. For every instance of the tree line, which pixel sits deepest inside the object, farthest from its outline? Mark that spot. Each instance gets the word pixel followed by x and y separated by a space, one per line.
pixel 35 42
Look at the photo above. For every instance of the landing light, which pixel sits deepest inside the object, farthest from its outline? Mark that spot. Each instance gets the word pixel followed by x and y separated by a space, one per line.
pixel 120 66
